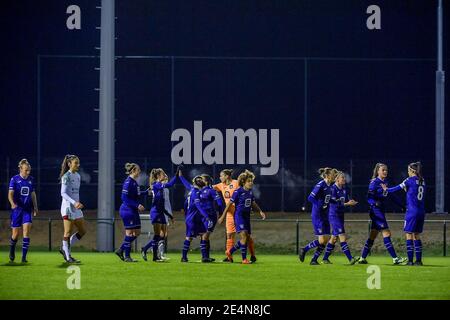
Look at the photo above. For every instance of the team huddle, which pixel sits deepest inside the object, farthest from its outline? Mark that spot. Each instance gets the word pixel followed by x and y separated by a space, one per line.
pixel 328 207
pixel 232 201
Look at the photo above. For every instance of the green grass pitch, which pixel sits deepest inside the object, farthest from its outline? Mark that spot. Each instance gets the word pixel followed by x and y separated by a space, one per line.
pixel 104 276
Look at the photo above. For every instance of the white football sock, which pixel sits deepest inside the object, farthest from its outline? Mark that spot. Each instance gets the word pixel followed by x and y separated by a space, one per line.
pixel 65 248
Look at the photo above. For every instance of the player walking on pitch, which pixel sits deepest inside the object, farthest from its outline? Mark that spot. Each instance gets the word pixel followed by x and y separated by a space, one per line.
pixel 71 205
pixel 22 198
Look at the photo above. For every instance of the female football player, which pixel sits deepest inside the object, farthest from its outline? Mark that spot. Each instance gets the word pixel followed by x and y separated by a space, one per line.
pixel 162 245
pixel 129 211
pixel 22 197
pixel 320 198
pixel 157 211
pixel 244 201
pixel 414 186
pixel 71 205
pixel 376 197
pixel 196 217
pixel 212 202
pixel 226 187
pixel 338 201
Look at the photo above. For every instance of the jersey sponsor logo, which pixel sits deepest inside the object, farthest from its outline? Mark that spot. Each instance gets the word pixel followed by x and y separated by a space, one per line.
pixel 24 191
pixel 227 194
pixel 248 202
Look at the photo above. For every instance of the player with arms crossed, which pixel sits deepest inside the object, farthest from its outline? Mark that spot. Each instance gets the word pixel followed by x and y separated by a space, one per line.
pixel 414 186
pixel 71 205
pixel 244 201
pixel 22 197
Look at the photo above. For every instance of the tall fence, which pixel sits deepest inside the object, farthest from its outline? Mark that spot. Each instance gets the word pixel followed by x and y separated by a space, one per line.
pixel 328 110
pixel 287 191
pixel 272 235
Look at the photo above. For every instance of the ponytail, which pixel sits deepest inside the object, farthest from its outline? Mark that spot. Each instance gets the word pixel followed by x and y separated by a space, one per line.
pixel 227 172
pixel 338 174
pixel 198 181
pixel 130 167
pixel 23 162
pixel 377 167
pixel 154 173
pixel 207 178
pixel 416 167
pixel 66 163
pixel 325 172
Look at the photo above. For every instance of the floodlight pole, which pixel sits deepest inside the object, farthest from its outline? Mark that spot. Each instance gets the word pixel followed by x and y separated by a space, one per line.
pixel 106 129
pixel 440 137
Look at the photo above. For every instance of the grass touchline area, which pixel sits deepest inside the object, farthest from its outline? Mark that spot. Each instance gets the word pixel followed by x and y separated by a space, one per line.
pixel 104 276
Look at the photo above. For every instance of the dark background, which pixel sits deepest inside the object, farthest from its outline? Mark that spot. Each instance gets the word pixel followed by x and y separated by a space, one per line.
pixel 341 95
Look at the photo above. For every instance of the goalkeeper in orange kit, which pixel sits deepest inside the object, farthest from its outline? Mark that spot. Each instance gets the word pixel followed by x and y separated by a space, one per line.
pixel 226 187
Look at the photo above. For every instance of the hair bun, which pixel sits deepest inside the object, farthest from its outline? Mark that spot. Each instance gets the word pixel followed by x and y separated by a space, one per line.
pixel 23 162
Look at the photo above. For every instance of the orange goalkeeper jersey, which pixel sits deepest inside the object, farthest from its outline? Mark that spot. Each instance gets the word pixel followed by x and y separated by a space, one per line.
pixel 227 189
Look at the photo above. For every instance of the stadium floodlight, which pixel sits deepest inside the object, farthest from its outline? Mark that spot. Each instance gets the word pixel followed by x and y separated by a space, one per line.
pixel 106 126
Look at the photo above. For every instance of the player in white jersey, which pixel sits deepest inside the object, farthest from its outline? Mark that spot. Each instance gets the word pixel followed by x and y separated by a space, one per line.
pixel 71 205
